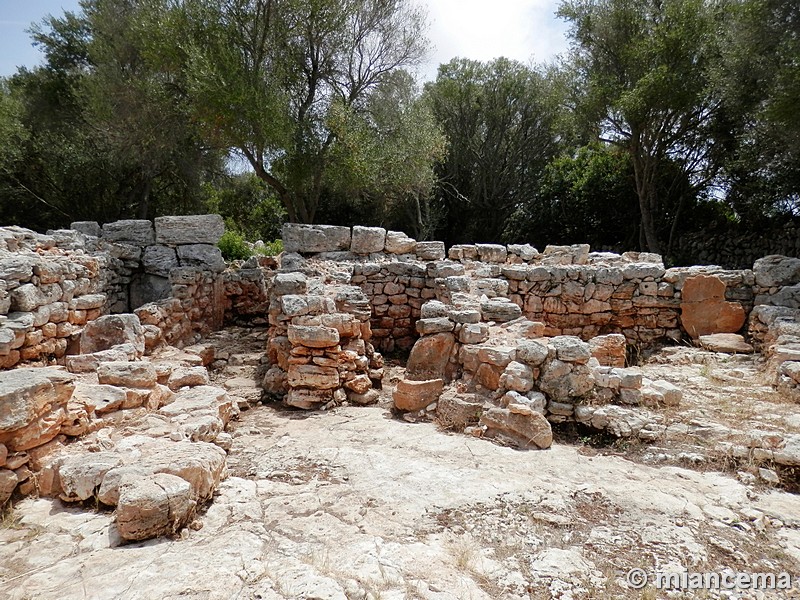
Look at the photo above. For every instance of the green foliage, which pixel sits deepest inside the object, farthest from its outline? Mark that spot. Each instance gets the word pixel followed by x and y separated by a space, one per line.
pixel 247 204
pixel 503 123
pixel 270 248
pixel 233 246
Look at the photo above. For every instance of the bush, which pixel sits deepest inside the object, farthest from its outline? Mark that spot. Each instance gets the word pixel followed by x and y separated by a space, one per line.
pixel 270 248
pixel 233 246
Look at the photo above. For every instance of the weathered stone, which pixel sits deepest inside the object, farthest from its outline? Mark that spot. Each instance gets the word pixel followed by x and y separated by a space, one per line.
pixel 202 399
pixel 103 398
pixel 434 309
pixel 532 353
pixel 369 397
pixel 201 256
pixel 112 330
pixel 137 232
pixel 313 376
pixel 523 427
pixel 415 395
pixel 289 283
pixel 313 336
pixel 670 393
pixel 367 240
pixel 571 349
pixel 189 229
pixel 430 250
pixel 153 506
pixel 308 399
pixel 398 242
pixel 704 309
pixel 128 374
pixel 456 412
pixel 776 271
pixel 26 394
pixel 187 376
pixel 730 343
pixel 628 378
pixel 88 363
pixel 91 228
pixel 430 356
pixel 517 377
pixel 492 253
pixel 500 309
pixel 315 238
pixel 473 333
pixel 563 381
pixel 488 376
pixel 80 476
pixel 609 350
pixel 437 325
pixel 499 356
pixel 525 251
pixel 467 316
pixel 159 260
pixel 8 483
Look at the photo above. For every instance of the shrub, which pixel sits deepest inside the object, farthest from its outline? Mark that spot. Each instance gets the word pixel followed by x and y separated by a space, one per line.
pixel 234 246
pixel 270 248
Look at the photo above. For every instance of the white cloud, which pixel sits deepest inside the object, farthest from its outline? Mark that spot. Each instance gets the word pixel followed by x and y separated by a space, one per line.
pixel 483 30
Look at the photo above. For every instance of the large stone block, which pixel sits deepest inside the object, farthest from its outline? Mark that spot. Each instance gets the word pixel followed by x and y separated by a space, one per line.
pixel 430 250
pixel 26 394
pixel 112 330
pixel 189 229
pixel 367 240
pixel 518 425
pixel 313 336
pixel 416 395
pixel 704 309
pixel 132 231
pixel 201 256
pixel 298 237
pixel 159 260
pixel 313 376
pixel 153 505
pixel 398 242
pixel 87 228
pixel 430 356
pixel 127 374
pixel 776 271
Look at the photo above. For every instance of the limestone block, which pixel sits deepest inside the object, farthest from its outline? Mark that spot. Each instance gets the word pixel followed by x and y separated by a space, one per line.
pixel 109 331
pixel 398 242
pixel 81 475
pixel 26 394
pixel 532 353
pixel 436 325
pixel 609 350
pixel 289 283
pixel 571 349
pixel 313 376
pixel 132 231
pixel 315 238
pixel 140 375
pixel 492 253
pixel 704 309
pixel 201 256
pixel 444 268
pixel 499 356
pixel 430 356
pixel 730 343
pixel 313 336
pixel 102 398
pixel 463 252
pixel 202 399
pixel 153 506
pixel 159 260
pixel 415 395
pixel 563 381
pixel 776 271
pixel 473 333
pixel 189 229
pixel 517 377
pixel 521 427
pixel 366 240
pixel 430 250
pixel 16 267
pixel 187 376
pixel 88 363
pixel 91 228
pixel 8 483
pixel 500 309
pixel 525 251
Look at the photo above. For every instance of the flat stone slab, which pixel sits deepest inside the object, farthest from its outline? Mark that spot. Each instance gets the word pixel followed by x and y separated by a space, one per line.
pixel 730 343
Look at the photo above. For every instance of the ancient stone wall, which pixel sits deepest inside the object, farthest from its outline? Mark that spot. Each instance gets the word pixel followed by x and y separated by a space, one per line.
pixel 739 251
pixel 568 288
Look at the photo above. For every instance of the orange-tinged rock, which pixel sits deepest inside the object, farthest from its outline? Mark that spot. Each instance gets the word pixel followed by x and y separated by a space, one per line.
pixel 416 395
pixel 705 311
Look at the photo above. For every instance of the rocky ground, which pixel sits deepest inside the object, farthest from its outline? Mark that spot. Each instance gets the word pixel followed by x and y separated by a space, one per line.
pixel 352 503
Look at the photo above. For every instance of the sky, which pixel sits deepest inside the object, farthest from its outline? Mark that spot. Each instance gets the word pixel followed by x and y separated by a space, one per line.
pixel 478 29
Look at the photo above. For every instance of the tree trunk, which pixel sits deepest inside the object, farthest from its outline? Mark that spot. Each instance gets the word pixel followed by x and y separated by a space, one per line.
pixel 644 173
pixel 144 199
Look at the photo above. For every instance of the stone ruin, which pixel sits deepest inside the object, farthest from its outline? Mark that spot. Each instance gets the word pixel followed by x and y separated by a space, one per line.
pixel 503 342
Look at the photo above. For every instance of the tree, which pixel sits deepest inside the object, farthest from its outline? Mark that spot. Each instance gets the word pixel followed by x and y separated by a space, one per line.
pixel 270 78
pixel 646 65
pixel 501 119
